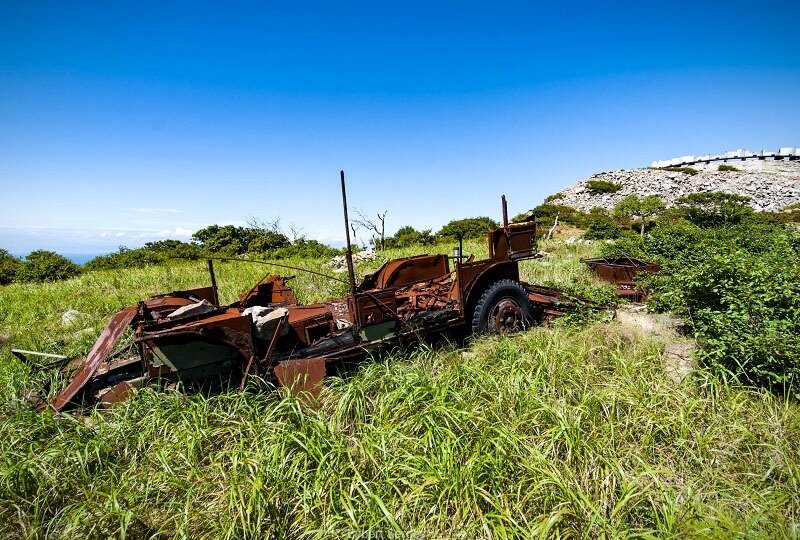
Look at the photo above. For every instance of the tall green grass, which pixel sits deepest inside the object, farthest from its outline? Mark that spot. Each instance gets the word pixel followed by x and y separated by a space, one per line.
pixel 574 432
pixel 570 431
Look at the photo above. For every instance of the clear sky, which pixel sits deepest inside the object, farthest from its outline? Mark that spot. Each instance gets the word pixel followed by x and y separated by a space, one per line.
pixel 123 123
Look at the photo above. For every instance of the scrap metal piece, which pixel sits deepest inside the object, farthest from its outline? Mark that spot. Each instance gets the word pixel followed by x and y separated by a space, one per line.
pixel 102 348
pixel 553 302
pixel 270 290
pixel 301 376
pixel 117 393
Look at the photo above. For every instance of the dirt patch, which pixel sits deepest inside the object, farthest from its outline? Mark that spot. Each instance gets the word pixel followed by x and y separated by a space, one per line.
pixel 678 350
pixel 678 360
pixel 641 321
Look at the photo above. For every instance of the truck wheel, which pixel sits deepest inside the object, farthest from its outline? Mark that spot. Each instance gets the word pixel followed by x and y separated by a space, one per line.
pixel 503 307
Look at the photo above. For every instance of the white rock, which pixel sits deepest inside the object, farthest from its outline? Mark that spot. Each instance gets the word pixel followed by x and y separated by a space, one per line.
pixel 71 317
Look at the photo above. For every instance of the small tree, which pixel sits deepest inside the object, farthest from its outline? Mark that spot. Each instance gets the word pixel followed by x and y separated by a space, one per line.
pixel 714 208
pixel 9 267
pixel 602 228
pixel 468 227
pixel 44 265
pixel 642 208
pixel 409 236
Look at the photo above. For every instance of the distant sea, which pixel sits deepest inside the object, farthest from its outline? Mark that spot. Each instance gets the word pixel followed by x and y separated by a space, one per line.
pixel 81 258
pixel 77 258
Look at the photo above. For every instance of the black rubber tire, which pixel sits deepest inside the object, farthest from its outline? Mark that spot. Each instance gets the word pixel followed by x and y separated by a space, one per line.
pixel 505 292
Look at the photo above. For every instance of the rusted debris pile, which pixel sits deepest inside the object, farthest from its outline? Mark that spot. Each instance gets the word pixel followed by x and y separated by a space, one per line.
pixel 188 336
pixel 621 270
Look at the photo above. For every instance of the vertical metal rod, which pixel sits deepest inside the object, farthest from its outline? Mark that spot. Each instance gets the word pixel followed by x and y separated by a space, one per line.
pixel 459 274
pixel 506 232
pixel 349 256
pixel 505 212
pixel 213 281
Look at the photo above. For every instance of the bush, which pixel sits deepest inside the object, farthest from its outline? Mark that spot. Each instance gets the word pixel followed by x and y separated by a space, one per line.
pixel 151 253
pixel 685 170
pixel 409 236
pixel 476 227
pixel 9 267
pixel 545 215
pixel 301 248
pixel 599 187
pixel 175 248
pixel 268 241
pixel 714 208
pixel 602 228
pixel 642 208
pixel 738 289
pixel 554 197
pixel 44 265
pixel 124 258
pixel 231 240
pixel 723 168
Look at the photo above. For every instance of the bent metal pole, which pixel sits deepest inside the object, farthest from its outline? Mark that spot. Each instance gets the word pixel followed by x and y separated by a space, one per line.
pixel 349 256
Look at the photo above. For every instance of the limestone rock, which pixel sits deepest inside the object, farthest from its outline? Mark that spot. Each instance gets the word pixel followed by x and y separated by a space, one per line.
pixel 771 185
pixel 71 317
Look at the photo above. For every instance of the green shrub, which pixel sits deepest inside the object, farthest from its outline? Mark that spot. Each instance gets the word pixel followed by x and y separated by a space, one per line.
pixel 267 241
pixel 685 170
pixel 301 248
pixel 714 208
pixel 545 215
pixel 150 253
pixel 231 240
pixel 124 258
pixel 723 168
pixel 9 267
pixel 554 197
pixel 409 236
pixel 599 187
pixel 602 228
pixel 643 208
pixel 738 289
pixel 44 265
pixel 476 227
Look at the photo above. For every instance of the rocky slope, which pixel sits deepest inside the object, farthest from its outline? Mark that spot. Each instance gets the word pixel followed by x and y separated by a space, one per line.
pixel 771 185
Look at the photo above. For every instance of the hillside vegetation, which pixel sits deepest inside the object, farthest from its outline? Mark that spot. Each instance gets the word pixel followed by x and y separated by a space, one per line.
pixel 571 430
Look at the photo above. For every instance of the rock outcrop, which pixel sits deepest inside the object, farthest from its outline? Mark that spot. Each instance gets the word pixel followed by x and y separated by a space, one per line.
pixel 771 185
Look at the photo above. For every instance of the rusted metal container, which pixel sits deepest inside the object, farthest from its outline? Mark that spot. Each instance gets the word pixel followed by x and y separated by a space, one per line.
pixel 621 270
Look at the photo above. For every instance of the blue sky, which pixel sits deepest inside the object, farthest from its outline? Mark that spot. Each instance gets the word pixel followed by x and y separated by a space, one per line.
pixel 124 123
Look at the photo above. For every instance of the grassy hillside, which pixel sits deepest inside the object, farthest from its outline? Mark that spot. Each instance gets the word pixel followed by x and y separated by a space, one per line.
pixel 572 430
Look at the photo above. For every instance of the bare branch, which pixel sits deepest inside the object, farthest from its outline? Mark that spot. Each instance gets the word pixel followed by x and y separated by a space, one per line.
pixel 272 225
pixel 378 226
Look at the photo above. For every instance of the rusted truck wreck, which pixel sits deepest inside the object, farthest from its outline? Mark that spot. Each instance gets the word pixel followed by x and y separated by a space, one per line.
pixel 189 336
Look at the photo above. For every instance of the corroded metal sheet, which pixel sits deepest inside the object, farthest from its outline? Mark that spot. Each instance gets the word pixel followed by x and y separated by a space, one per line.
pixel 102 348
pixel 271 289
pixel 301 376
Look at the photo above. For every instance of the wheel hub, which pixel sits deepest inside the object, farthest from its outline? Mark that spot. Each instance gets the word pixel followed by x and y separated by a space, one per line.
pixel 506 316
